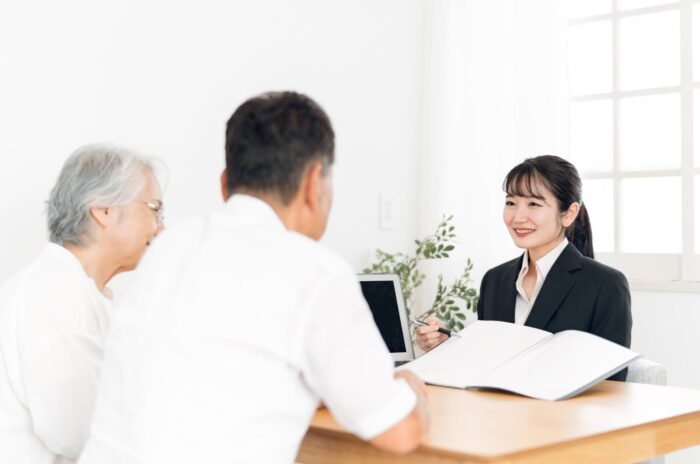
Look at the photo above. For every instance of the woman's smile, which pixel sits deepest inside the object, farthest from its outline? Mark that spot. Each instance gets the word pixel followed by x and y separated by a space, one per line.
pixel 522 232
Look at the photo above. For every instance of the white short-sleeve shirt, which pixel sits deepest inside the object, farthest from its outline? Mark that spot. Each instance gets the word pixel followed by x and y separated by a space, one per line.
pixel 235 331
pixel 53 320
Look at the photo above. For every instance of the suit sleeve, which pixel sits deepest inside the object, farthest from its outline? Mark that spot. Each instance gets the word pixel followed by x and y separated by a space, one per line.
pixel 612 315
pixel 480 304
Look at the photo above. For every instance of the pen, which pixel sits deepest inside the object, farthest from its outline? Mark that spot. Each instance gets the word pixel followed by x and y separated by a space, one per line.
pixel 441 330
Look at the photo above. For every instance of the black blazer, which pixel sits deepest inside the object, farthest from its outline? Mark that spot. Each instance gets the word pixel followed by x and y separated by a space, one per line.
pixel 578 293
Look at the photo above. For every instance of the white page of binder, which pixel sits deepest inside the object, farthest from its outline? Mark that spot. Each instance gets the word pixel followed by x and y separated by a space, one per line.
pixel 567 363
pixel 481 346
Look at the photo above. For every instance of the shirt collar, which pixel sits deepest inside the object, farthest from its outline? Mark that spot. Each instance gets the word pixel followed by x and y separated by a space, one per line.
pixel 253 210
pixel 54 249
pixel 60 252
pixel 545 263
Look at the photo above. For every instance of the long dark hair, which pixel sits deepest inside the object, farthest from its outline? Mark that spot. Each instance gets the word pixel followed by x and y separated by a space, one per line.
pixel 561 178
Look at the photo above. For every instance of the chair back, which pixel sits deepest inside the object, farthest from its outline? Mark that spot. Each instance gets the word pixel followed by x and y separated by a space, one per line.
pixel 646 371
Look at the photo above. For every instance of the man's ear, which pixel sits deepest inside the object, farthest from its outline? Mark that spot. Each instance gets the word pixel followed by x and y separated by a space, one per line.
pixel 312 185
pixel 224 185
pixel 571 213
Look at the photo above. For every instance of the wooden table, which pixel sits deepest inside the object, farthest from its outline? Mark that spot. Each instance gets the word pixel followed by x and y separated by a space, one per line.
pixel 613 422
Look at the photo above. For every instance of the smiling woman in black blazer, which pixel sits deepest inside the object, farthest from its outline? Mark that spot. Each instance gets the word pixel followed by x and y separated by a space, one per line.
pixel 555 285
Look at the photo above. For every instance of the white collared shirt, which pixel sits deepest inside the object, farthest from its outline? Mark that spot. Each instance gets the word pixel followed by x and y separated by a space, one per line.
pixel 523 304
pixel 53 320
pixel 235 330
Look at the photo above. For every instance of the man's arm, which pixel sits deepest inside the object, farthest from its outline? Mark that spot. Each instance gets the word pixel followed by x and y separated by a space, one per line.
pixel 405 436
pixel 345 361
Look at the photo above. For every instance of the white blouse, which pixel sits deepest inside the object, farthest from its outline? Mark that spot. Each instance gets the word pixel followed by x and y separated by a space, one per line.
pixel 52 322
pixel 523 304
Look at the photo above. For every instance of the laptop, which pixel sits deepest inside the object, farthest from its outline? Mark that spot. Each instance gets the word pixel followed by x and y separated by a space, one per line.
pixel 385 299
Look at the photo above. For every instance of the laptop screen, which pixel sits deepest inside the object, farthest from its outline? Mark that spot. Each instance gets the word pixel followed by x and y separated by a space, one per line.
pixel 384 298
pixel 381 298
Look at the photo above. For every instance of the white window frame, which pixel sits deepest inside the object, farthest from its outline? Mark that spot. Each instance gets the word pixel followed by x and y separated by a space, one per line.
pixel 677 272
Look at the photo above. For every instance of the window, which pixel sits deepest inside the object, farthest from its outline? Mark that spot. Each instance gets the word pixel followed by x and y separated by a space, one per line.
pixel 634 86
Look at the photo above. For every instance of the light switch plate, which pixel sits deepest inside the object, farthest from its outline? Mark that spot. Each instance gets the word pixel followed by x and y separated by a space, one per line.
pixel 388 211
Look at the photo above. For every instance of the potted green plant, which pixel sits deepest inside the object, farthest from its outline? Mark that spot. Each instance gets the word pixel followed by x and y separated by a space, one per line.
pixel 438 245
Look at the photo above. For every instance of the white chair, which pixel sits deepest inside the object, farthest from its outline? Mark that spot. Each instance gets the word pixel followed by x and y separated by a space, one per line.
pixel 646 371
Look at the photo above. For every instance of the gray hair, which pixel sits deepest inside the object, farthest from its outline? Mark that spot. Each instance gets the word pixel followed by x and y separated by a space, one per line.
pixel 93 176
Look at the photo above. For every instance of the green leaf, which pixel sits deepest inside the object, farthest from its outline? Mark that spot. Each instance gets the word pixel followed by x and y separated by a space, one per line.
pixel 435 246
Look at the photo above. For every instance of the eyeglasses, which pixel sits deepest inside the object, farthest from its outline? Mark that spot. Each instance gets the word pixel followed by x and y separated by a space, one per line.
pixel 157 207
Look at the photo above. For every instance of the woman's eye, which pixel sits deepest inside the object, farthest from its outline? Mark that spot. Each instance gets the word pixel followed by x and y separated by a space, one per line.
pixel 509 203
pixel 532 203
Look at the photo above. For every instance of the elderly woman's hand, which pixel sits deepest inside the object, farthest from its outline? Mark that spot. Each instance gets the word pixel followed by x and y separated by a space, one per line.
pixel 428 336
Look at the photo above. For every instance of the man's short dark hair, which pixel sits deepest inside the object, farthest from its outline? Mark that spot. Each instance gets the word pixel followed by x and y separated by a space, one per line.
pixel 271 139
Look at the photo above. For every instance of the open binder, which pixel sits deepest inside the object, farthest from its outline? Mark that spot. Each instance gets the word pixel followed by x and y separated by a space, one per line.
pixel 523 360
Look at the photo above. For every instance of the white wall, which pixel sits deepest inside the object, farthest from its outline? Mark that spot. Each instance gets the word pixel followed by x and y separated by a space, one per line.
pixel 493 91
pixel 666 330
pixel 164 77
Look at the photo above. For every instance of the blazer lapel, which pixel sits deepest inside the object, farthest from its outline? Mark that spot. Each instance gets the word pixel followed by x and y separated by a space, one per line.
pixel 506 300
pixel 556 286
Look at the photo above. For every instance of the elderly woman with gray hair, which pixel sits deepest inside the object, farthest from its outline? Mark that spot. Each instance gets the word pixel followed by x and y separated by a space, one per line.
pixel 103 212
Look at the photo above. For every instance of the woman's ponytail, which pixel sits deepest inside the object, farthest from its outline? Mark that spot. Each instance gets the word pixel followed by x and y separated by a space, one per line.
pixel 580 234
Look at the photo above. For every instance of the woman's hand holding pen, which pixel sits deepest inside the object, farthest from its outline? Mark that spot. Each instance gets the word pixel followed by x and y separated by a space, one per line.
pixel 428 336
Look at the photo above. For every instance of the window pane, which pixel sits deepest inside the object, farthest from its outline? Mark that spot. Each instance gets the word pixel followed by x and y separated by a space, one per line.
pixel 696 42
pixel 579 8
pixel 696 123
pixel 650 50
pixel 650 132
pixel 631 4
pixel 697 214
pixel 599 201
pixel 651 215
pixel 592 136
pixel 590 58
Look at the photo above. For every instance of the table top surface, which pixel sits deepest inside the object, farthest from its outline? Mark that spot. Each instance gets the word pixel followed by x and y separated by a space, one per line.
pixel 489 423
